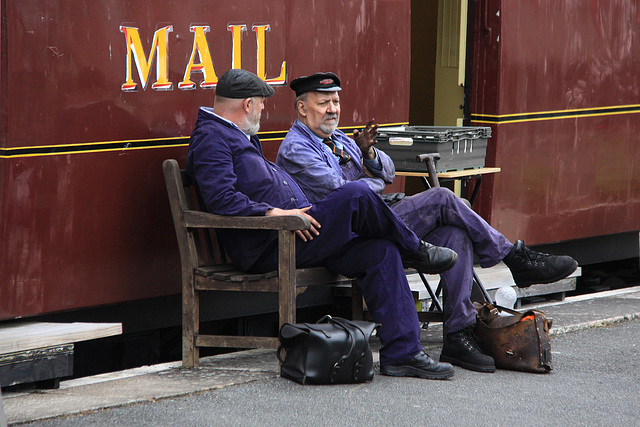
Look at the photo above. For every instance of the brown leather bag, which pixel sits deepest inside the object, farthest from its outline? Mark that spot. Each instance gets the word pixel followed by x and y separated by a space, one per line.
pixel 518 342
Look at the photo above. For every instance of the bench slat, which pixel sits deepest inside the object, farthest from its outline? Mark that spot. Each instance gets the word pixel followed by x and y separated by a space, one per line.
pixel 236 341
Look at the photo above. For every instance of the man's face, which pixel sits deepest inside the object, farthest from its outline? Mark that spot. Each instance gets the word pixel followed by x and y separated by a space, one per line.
pixel 320 112
pixel 252 123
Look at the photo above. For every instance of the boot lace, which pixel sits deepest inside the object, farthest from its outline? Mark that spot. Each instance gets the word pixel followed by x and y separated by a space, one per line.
pixel 533 257
pixel 469 340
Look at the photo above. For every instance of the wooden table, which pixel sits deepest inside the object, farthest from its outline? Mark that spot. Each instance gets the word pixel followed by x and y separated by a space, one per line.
pixel 453 174
pixel 457 176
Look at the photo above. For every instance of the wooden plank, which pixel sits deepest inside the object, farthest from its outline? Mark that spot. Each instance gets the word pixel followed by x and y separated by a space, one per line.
pixel 492 278
pixel 453 174
pixel 496 277
pixel 208 270
pixel 269 281
pixel 319 276
pixel 31 335
pixel 237 341
pixel 210 284
pixel 564 285
pixel 500 275
pixel 197 219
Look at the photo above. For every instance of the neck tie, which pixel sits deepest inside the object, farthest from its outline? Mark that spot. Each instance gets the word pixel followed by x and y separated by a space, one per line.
pixel 339 152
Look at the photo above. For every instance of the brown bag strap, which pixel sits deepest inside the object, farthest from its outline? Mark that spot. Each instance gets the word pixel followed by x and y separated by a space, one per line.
pixel 543 341
pixel 489 312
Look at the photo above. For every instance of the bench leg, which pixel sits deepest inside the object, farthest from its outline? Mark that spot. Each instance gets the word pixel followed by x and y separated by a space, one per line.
pixel 287 276
pixel 190 324
pixel 357 306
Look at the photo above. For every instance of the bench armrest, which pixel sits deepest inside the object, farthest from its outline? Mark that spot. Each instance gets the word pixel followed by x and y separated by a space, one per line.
pixel 195 219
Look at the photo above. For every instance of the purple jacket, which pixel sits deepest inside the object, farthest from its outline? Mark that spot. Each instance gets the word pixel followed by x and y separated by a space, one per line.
pixel 317 170
pixel 234 178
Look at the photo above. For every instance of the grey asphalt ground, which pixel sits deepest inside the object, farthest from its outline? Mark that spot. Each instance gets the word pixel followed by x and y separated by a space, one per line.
pixel 595 382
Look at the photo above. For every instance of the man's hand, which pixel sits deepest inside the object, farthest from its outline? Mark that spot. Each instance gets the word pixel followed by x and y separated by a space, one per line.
pixel 366 139
pixel 304 235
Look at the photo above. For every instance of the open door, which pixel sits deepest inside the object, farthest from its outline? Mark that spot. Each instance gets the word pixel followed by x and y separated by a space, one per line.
pixel 438 53
pixel 450 63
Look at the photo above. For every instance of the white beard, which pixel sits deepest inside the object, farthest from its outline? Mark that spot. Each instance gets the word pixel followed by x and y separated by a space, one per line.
pixel 329 129
pixel 251 125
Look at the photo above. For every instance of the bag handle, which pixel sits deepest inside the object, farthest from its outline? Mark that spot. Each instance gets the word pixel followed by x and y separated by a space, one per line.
pixel 357 369
pixel 488 312
pixel 279 354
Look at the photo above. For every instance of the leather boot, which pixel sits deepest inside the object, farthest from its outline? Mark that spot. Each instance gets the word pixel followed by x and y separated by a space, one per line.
pixel 530 267
pixel 430 259
pixel 461 348
pixel 422 366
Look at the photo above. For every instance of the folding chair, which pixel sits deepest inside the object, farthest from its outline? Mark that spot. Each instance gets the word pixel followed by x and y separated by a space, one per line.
pixel 479 293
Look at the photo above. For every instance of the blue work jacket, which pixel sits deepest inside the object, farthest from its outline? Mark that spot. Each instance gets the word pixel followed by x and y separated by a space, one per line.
pixel 234 178
pixel 317 169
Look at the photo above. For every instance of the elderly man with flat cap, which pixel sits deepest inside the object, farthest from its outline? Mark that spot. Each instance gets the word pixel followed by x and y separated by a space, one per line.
pixel 353 231
pixel 323 159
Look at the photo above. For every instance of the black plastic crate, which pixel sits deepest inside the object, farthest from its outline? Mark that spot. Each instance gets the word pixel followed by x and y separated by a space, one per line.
pixel 459 147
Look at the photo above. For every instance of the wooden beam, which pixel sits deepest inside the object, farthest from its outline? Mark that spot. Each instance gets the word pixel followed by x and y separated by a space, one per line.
pixel 31 335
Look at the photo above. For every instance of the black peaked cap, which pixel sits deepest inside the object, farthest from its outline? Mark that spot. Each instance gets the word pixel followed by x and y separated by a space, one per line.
pixel 240 84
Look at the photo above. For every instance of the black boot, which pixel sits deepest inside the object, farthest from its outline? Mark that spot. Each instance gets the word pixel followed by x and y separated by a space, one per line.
pixel 421 366
pixel 461 348
pixel 430 259
pixel 530 267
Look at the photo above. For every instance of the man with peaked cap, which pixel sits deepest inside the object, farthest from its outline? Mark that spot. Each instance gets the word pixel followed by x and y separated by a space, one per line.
pixel 353 232
pixel 323 159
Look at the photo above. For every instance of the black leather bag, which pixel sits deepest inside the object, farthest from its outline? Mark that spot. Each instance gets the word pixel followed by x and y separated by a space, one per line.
pixel 332 351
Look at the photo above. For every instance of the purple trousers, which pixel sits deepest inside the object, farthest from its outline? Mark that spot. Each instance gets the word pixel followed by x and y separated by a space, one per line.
pixel 439 217
pixel 362 238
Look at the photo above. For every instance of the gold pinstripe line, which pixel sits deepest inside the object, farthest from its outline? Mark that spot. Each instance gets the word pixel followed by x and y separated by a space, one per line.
pixel 124 142
pixel 558 117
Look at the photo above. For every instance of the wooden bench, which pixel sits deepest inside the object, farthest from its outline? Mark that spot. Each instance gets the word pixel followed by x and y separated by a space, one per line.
pixel 205 267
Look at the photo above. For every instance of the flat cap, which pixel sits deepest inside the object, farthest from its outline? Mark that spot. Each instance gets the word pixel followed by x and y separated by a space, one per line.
pixel 240 84
pixel 322 82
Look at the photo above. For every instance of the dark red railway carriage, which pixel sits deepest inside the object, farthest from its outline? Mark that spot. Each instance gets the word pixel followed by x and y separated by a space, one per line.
pixel 94 95
pixel 559 83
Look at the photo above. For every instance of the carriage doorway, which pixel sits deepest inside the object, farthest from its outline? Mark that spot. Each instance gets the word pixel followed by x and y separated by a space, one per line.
pixel 438 53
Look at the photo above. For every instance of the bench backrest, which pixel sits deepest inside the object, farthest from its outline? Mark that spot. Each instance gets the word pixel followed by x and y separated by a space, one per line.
pixel 198 246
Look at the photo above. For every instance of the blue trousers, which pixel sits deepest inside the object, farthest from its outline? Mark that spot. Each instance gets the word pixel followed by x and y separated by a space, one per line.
pixel 362 238
pixel 439 217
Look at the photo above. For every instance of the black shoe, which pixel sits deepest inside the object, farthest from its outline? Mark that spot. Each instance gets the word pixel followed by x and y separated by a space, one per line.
pixel 461 348
pixel 421 366
pixel 530 267
pixel 430 259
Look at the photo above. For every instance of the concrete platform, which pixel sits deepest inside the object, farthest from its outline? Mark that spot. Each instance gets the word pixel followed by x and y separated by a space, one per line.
pixel 170 380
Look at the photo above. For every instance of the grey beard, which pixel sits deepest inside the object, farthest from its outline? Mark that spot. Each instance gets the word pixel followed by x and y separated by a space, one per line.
pixel 251 128
pixel 329 129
